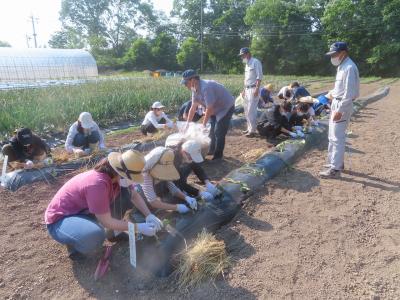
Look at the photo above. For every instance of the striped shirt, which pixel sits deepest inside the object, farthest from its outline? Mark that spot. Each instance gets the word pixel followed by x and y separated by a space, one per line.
pixel 148 187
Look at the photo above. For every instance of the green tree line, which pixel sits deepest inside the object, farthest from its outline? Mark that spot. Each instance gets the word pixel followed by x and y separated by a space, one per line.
pixel 288 36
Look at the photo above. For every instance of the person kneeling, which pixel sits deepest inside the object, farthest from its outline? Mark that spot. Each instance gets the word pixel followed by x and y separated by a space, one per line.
pixel 188 159
pixel 155 119
pixel 25 149
pixel 159 174
pixel 93 200
pixel 84 136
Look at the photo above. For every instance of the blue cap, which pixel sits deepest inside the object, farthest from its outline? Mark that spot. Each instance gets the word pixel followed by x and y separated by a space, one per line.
pixel 244 50
pixel 337 47
pixel 188 74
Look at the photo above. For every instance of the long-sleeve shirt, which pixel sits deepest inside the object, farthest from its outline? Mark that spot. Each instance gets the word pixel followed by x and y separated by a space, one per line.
pixel 253 72
pixel 153 119
pixel 148 187
pixel 347 85
pixel 73 131
pixel 300 92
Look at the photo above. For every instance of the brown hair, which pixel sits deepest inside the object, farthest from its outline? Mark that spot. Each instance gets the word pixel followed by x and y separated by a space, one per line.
pixel 103 166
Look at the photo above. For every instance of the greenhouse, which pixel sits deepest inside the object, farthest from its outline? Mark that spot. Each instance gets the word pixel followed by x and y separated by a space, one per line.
pixel 33 65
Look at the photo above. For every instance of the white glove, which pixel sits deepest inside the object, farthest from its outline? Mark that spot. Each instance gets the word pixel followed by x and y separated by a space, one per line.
pixel 298 128
pixel 192 202
pixel 206 196
pixel 152 219
pixel 293 134
pixel 182 208
pixel 48 161
pixel 315 123
pixel 146 229
pixel 212 189
pixel 28 164
pixel 300 134
pixel 78 152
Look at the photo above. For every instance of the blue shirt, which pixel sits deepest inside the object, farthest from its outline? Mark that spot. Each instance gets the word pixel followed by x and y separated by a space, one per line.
pixel 215 96
pixel 300 92
pixel 266 95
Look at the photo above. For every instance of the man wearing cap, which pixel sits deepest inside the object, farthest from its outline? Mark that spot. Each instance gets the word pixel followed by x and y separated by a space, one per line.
pixel 347 87
pixel 84 136
pixel 252 81
pixel 155 119
pixel 25 148
pixel 219 105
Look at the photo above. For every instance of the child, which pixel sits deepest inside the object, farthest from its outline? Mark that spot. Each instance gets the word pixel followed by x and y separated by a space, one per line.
pixel 298 91
pixel 266 96
pixel 155 119
pixel 184 111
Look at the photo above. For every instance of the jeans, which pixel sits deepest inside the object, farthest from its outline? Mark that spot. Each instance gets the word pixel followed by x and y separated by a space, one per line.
pixel 149 128
pixel 218 131
pixel 82 232
pixel 184 171
pixel 80 140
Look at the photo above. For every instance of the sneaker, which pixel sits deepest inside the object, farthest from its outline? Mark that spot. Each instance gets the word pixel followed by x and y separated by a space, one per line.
pixel 330 166
pixel 250 135
pixel 245 131
pixel 330 173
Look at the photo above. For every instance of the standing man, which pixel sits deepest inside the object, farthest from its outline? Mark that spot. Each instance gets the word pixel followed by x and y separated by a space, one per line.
pixel 347 87
pixel 251 92
pixel 219 106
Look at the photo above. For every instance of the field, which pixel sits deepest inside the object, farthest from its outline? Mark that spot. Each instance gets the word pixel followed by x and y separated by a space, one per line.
pixel 110 101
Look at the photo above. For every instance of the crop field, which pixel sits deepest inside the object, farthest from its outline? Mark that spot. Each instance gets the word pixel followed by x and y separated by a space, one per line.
pixel 53 109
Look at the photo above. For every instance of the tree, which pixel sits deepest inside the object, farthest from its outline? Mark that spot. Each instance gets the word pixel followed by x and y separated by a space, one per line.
pixel 139 55
pixel 4 44
pixel 188 56
pixel 66 39
pixel 164 49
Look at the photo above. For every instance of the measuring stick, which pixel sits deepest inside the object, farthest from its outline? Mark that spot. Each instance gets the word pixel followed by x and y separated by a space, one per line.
pixel 132 244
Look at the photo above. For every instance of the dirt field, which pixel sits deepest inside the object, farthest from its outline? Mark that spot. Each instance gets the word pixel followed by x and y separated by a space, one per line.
pixel 301 238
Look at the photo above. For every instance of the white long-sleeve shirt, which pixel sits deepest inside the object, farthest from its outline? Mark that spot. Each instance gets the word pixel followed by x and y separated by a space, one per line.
pixel 153 119
pixel 253 72
pixel 347 85
pixel 148 187
pixel 73 131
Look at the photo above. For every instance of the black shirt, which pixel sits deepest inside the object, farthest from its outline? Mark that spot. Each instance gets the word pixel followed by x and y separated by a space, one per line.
pixel 38 147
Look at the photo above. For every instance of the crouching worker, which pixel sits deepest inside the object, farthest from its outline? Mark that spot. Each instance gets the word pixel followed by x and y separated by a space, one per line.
pixel 188 159
pixel 25 149
pixel 155 119
pixel 275 121
pixel 94 200
pixel 159 174
pixel 266 96
pixel 84 136
pixel 184 112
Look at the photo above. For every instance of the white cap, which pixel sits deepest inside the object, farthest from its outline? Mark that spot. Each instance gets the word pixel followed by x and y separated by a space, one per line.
pixel 86 120
pixel 193 148
pixel 157 105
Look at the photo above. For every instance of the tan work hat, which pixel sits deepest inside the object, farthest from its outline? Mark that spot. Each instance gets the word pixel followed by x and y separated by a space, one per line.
pixel 193 148
pixel 161 164
pixel 128 165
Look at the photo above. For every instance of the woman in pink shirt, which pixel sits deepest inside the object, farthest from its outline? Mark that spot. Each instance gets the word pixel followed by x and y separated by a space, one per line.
pixel 94 200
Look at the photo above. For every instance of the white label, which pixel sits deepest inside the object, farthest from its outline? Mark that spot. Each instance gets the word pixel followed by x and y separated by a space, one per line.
pixel 3 171
pixel 132 244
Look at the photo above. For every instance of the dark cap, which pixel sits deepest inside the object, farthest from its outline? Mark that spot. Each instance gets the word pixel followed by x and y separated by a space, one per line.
pixel 337 47
pixel 187 75
pixel 244 50
pixel 24 136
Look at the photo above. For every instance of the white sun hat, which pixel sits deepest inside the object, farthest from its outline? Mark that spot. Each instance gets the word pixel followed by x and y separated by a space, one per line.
pixel 86 120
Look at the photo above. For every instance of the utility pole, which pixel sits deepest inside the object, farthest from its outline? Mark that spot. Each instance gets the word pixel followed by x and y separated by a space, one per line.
pixel 201 35
pixel 33 29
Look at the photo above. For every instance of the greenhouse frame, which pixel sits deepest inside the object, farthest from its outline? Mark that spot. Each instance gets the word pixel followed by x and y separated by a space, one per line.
pixel 30 65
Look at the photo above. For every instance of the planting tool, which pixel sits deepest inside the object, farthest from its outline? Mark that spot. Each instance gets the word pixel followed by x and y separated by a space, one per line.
pixel 103 265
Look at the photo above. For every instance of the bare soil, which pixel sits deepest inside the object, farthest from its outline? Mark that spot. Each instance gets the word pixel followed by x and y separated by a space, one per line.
pixel 301 237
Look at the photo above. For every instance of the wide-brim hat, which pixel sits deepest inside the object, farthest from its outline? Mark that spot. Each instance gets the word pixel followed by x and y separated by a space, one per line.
pixel 193 148
pixel 164 168
pixel 128 165
pixel 308 99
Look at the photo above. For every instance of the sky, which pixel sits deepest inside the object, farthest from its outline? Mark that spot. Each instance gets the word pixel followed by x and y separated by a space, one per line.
pixel 15 22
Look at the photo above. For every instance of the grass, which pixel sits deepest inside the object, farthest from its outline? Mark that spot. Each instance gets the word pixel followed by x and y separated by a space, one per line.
pixel 53 109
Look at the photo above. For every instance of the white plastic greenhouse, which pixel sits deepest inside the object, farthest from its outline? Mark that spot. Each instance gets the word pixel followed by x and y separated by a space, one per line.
pixel 35 65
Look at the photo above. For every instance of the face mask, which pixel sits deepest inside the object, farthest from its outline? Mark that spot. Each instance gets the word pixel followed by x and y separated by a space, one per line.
pixel 123 182
pixel 245 60
pixel 300 114
pixel 335 61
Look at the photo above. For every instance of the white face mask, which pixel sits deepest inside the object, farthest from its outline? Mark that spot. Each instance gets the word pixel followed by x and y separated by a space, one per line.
pixel 300 114
pixel 245 60
pixel 123 182
pixel 336 61
pixel 193 89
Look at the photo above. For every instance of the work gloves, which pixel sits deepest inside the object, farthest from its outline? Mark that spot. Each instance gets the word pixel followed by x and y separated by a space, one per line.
pixel 212 189
pixel 28 164
pixel 152 219
pixel 182 208
pixel 146 229
pixel 206 196
pixel 293 134
pixel 192 202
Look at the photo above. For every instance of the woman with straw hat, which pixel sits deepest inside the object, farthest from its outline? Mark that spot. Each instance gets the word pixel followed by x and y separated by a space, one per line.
pixel 159 174
pixel 94 200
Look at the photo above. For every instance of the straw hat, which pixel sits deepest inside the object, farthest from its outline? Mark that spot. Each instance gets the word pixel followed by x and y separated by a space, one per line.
pixel 160 164
pixel 128 165
pixel 269 86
